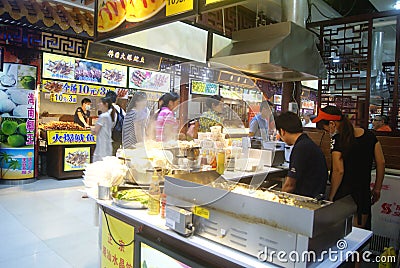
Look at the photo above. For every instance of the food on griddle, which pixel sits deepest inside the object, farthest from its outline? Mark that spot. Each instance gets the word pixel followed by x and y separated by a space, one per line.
pixel 77 158
pixel 60 67
pixel 113 75
pixel 136 195
pixel 53 86
pixel 58 125
pixel 265 195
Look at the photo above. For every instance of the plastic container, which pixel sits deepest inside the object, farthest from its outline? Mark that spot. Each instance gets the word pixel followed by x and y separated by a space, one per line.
pixel 104 193
pixel 154 195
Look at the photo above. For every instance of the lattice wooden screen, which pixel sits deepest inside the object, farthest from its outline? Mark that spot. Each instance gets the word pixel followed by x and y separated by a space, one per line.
pixel 391 106
pixel 345 50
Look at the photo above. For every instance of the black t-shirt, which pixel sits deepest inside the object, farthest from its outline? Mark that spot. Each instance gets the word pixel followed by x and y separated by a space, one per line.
pixel 308 167
pixel 357 164
pixel 76 117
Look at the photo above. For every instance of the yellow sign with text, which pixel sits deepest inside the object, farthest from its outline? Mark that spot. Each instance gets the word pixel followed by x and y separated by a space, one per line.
pixel 112 254
pixel 61 97
pixel 175 7
pixel 201 212
pixel 76 158
pixel 69 137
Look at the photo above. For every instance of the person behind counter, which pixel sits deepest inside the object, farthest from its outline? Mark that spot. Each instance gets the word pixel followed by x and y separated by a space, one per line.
pixel 380 123
pixel 119 112
pixel 166 123
pixel 308 172
pixel 262 122
pixel 133 130
pixel 211 117
pixel 353 150
pixel 82 113
pixel 102 130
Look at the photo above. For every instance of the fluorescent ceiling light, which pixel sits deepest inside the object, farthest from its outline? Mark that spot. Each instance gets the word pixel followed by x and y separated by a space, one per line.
pixel 397 5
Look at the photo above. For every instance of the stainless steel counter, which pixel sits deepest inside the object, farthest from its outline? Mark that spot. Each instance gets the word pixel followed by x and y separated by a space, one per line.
pixel 355 240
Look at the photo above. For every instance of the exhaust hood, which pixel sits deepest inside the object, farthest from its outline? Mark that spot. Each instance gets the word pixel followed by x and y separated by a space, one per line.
pixel 278 52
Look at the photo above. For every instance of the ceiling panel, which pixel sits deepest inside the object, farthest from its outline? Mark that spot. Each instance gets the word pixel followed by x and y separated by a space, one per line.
pixel 383 5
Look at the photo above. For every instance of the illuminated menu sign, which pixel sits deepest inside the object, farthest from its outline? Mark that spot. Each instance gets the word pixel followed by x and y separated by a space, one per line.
pixel 233 93
pixel 203 88
pixel 81 70
pixel 148 80
pixel 107 53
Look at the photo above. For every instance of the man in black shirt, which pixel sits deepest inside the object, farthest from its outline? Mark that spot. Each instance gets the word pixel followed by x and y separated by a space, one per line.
pixel 308 172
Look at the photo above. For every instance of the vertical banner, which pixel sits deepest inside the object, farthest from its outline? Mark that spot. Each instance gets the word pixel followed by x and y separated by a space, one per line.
pixel 18 121
pixel 113 255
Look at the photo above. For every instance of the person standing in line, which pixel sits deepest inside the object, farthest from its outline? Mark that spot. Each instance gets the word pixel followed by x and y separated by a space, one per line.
pixel 118 113
pixel 82 113
pixel 308 172
pixel 353 151
pixel 262 122
pixel 133 130
pixel 102 130
pixel 166 124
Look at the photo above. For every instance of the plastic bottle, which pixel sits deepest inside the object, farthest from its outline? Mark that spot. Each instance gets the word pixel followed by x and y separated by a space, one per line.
pixel 154 195
pixel 221 162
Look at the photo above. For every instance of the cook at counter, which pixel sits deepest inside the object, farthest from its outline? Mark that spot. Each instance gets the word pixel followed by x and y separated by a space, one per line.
pixel 210 118
pixel 82 113
pixel 262 122
pixel 308 172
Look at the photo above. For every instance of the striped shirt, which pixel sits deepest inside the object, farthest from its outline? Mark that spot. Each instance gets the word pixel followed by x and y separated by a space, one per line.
pixel 166 118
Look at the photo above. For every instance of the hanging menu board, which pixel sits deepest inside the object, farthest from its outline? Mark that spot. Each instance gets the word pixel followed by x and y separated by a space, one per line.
pixel 117 17
pixel 233 93
pixel 148 80
pixel 81 70
pixel 203 88
pixel 122 56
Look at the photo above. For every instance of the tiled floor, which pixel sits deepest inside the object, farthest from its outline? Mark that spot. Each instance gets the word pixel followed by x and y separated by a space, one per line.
pixel 47 224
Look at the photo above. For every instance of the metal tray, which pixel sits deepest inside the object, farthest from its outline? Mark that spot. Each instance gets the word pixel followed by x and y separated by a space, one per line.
pixel 128 204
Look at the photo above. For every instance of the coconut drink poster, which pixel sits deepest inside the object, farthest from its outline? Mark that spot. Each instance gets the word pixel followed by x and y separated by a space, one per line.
pixel 17 163
pixel 18 121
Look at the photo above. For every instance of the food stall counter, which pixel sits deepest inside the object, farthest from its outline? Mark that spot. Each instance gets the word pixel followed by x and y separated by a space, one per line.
pixel 194 248
pixel 68 149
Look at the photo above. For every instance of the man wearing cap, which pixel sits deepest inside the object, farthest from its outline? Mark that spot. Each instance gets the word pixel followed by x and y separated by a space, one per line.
pixel 308 172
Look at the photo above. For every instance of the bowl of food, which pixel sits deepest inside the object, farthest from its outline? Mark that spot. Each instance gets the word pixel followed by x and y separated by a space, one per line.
pixel 131 198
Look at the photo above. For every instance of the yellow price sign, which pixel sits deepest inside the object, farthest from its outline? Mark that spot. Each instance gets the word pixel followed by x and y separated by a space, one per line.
pixel 178 6
pixel 201 212
pixel 62 97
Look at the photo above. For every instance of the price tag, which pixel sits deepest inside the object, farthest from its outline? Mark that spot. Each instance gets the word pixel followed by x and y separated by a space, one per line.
pixel 201 212
pixel 178 6
pixel 61 97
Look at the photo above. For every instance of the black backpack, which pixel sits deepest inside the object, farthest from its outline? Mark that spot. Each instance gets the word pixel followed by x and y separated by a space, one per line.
pixel 116 134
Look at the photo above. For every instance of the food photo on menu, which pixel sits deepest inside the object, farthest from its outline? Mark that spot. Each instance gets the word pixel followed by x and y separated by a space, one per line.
pixel 88 71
